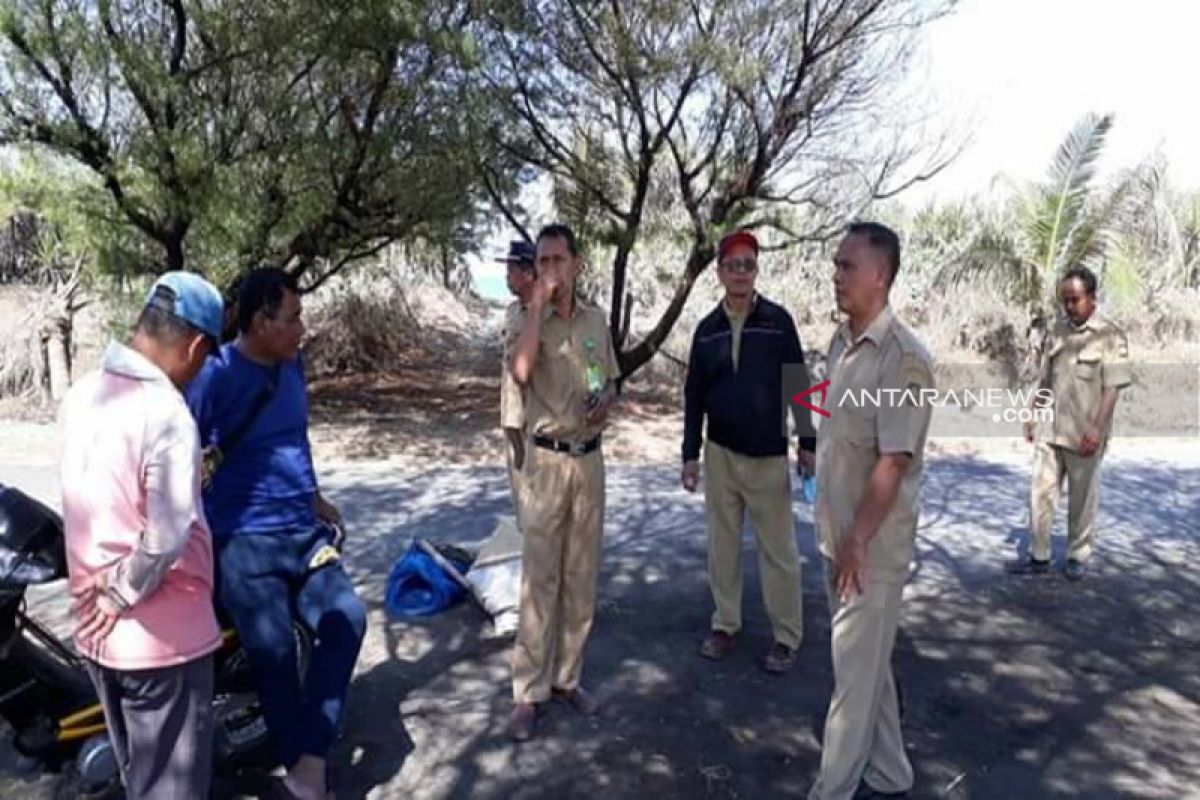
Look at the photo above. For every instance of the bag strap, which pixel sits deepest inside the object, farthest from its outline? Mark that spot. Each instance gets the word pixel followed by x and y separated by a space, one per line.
pixel 217 454
pixel 263 397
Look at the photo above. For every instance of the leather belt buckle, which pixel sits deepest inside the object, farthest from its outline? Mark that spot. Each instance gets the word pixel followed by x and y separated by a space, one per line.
pixel 575 449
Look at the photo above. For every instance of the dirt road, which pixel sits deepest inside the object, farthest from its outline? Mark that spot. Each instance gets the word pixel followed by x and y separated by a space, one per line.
pixel 1013 688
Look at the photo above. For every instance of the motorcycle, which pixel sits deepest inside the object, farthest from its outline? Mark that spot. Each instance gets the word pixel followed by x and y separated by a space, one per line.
pixel 46 696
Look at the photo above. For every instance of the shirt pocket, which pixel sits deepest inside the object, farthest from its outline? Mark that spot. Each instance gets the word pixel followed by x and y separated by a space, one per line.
pixel 859 426
pixel 554 346
pixel 1087 365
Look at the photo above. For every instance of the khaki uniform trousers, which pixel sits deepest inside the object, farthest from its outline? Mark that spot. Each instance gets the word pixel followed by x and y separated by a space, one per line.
pixel 1051 464
pixel 862 730
pixel 562 516
pixel 733 485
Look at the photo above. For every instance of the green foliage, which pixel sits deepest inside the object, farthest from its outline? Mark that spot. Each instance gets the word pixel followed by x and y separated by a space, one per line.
pixel 1064 221
pixel 678 121
pixel 221 135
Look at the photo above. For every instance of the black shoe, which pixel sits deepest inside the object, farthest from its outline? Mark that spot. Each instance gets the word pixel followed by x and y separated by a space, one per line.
pixel 1075 569
pixel 1027 566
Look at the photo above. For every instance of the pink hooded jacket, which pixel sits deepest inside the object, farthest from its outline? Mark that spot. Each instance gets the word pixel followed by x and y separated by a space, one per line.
pixel 133 515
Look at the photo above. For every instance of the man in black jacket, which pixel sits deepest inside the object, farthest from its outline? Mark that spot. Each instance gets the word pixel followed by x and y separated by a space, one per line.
pixel 735 378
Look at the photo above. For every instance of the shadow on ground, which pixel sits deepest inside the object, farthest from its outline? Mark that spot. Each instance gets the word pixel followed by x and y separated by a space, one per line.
pixel 1013 687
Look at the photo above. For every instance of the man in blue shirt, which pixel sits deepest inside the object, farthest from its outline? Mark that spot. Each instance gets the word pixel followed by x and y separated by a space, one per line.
pixel 271 528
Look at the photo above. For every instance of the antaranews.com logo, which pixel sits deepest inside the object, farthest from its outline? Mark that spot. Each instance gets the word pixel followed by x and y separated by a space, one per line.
pixel 990 400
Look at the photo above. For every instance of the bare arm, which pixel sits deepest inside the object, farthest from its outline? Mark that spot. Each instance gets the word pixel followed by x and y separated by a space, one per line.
pixel 1108 404
pixel 882 488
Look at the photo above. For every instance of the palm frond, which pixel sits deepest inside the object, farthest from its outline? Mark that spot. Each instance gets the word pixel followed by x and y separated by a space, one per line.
pixel 1087 243
pixel 1123 279
pixel 990 258
pixel 1061 199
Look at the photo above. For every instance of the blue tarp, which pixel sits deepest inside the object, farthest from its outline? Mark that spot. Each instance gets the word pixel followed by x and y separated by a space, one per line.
pixel 418 587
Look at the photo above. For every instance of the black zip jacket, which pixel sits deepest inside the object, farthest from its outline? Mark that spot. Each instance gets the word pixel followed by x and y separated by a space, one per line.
pixel 744 406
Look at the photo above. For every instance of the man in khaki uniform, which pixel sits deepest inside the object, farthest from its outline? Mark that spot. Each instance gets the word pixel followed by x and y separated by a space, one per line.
pixel 870 456
pixel 564 360
pixel 735 380
pixel 1086 364
pixel 520 278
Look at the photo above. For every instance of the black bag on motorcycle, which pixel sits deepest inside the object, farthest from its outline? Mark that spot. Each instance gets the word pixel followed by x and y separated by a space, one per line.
pixel 32 549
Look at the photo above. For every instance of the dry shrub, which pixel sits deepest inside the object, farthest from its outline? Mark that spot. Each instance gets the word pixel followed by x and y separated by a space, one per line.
pixel 23 365
pixel 375 320
pixel 21 373
pixel 1170 321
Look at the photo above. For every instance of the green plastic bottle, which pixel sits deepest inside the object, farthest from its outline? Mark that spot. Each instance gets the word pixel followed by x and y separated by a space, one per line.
pixel 594 373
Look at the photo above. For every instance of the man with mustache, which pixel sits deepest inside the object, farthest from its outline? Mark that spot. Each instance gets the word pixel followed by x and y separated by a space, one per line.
pixel 273 530
pixel 869 464
pixel 1086 366
pixel 564 361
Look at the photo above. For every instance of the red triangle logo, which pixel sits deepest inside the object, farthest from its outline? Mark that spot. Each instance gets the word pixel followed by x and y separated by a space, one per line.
pixel 823 388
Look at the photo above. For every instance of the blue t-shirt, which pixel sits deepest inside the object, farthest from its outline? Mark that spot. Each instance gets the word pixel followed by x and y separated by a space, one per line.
pixel 266 482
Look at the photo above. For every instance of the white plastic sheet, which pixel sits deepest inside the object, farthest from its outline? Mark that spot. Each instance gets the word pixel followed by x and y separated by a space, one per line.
pixel 495 576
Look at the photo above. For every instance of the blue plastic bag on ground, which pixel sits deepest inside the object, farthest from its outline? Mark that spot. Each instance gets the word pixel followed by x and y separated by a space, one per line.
pixel 418 587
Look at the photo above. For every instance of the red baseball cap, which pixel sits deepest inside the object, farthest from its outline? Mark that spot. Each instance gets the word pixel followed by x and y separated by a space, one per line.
pixel 735 238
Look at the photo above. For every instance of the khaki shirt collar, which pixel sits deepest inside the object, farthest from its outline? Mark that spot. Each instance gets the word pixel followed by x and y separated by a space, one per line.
pixel 576 309
pixel 1093 324
pixel 875 331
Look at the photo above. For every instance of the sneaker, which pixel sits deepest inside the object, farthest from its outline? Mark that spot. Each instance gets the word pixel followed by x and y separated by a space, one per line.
pixel 717 645
pixel 780 659
pixel 1027 566
pixel 1075 569
pixel 522 722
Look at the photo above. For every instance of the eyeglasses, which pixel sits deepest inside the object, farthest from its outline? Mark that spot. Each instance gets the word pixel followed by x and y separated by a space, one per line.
pixel 746 265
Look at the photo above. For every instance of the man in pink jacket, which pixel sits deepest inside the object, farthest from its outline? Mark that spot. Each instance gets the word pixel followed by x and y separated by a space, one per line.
pixel 139 551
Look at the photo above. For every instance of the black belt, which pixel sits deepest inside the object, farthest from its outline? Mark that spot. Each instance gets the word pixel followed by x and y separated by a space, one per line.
pixel 571 448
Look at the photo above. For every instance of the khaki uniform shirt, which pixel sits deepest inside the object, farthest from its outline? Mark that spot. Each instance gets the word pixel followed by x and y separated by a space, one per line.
pixel 556 397
pixel 887 355
pixel 512 403
pixel 1080 363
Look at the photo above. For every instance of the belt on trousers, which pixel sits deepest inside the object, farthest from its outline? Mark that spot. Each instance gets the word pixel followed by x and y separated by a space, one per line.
pixel 570 448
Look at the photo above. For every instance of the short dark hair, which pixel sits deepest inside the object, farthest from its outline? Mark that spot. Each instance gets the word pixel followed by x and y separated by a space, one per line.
pixel 883 238
pixel 1085 276
pixel 557 230
pixel 263 290
pixel 163 326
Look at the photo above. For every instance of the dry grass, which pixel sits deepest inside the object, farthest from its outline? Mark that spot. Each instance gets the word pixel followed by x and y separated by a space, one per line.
pixel 381 320
pixel 22 375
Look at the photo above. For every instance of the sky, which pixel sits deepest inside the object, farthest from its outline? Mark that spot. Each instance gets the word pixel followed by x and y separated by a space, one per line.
pixel 1027 70
pixel 1017 74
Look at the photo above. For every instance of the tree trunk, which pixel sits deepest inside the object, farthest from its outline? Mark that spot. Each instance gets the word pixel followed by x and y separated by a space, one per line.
pixel 633 360
pixel 174 252
pixel 58 353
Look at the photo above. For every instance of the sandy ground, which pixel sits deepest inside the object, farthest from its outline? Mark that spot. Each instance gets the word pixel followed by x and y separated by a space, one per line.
pixel 1013 688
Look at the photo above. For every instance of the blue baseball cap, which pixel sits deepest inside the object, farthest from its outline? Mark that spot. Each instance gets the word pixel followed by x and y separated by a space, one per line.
pixel 187 296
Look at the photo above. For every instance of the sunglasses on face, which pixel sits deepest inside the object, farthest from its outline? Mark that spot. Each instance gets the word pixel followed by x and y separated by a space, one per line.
pixel 746 265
